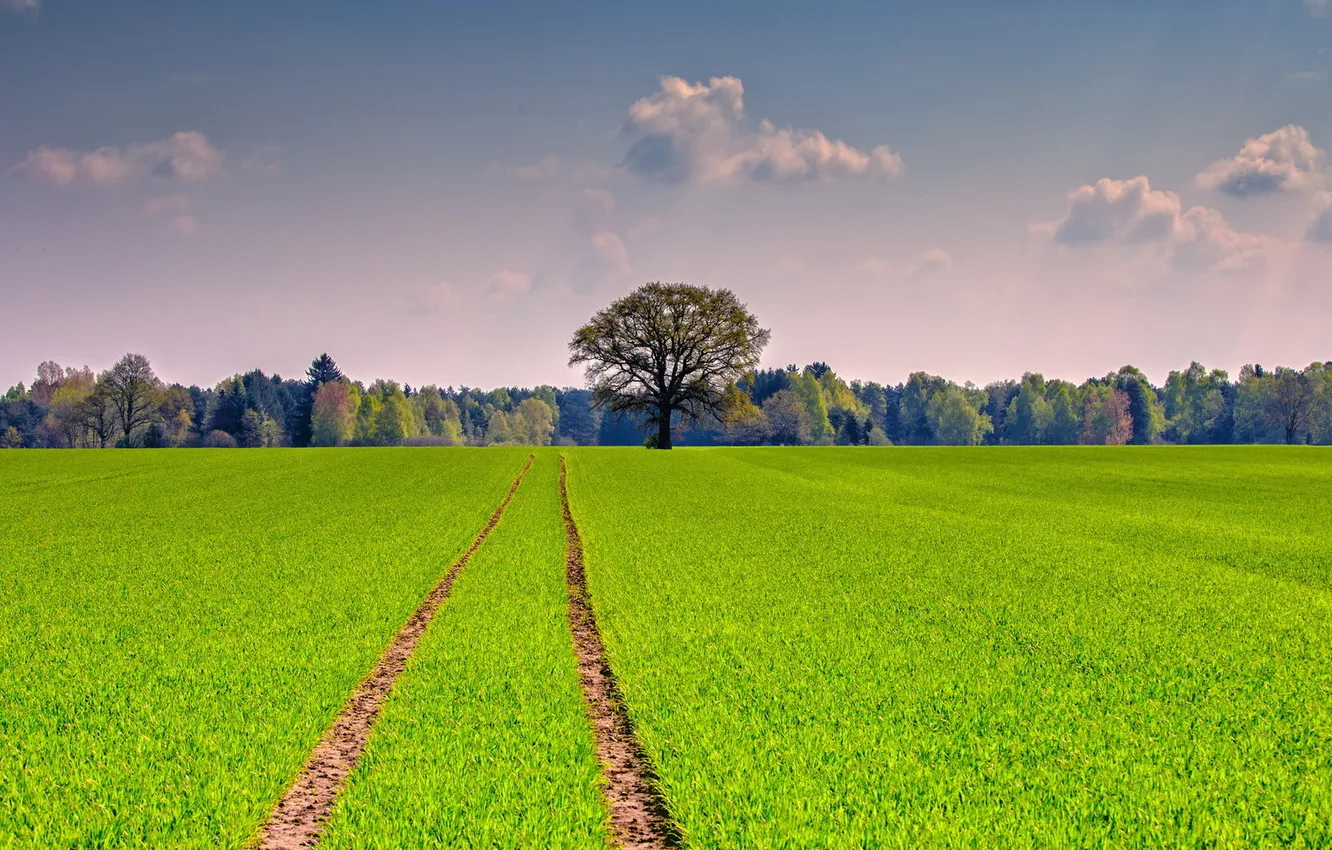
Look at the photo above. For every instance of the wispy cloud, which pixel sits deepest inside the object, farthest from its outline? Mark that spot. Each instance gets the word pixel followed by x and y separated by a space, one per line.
pixel 22 7
pixel 431 299
pixel 696 132
pixel 1320 8
pixel 175 210
pixel 262 159
pixel 923 265
pixel 610 248
pixel 546 167
pixel 1286 160
pixel 1321 229
pixel 186 156
pixel 507 285
pixel 599 201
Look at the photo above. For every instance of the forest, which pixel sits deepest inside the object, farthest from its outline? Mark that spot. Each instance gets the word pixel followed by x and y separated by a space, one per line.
pixel 128 406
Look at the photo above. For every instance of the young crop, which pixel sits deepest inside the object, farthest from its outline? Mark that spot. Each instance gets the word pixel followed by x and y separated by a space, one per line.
pixel 834 648
pixel 484 742
pixel 178 629
pixel 1017 648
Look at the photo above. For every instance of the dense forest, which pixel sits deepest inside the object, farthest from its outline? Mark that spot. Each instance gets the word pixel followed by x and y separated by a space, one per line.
pixel 128 406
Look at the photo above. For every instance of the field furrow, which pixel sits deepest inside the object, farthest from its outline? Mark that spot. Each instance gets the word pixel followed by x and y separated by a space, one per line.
pixel 639 817
pixel 177 630
pixel 483 742
pixel 846 648
pixel 299 816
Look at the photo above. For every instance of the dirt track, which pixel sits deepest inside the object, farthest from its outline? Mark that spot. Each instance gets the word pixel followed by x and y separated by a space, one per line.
pixel 639 817
pixel 300 815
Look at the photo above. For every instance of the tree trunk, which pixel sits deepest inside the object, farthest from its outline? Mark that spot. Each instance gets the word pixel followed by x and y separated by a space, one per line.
pixel 664 429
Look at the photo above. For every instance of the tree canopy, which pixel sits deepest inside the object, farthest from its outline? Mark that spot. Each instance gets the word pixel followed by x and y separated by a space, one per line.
pixel 668 350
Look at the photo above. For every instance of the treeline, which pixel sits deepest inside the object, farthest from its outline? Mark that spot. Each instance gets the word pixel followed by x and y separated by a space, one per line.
pixel 128 406
pixel 814 406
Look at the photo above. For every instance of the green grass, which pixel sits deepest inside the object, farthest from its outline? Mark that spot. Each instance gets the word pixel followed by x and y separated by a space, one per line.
pixel 177 629
pixel 484 742
pixel 973 648
pixel 826 648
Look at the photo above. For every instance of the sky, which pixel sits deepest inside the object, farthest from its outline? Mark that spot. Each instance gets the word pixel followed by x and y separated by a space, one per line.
pixel 443 192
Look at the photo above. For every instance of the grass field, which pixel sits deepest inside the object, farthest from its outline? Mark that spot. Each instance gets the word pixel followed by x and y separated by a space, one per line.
pixel 1017 647
pixel 178 628
pixel 834 648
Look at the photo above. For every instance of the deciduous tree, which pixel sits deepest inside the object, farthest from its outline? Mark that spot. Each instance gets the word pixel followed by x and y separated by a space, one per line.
pixel 532 423
pixel 1106 420
pixel 132 387
pixel 666 350
pixel 333 416
pixel 954 420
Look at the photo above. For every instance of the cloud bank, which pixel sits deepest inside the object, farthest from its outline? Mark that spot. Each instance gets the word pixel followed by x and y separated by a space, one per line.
pixel 186 156
pixel 1282 161
pixel 695 133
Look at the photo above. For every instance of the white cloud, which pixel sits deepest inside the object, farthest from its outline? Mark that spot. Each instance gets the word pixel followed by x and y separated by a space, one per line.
pixel 1208 243
pixel 1131 212
pixel 1116 211
pixel 1282 161
pixel 1321 228
pixel 696 132
pixel 506 285
pixel 22 7
pixel 610 248
pixel 546 167
pixel 186 156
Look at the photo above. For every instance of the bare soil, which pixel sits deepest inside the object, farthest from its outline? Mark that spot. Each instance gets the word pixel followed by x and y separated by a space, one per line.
pixel 300 815
pixel 639 817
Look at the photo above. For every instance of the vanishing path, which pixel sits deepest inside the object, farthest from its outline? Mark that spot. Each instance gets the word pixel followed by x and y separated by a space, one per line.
pixel 639 817
pixel 300 815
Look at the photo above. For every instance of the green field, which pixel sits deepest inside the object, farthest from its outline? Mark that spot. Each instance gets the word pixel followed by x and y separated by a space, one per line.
pixel 934 647
pixel 833 648
pixel 484 742
pixel 177 629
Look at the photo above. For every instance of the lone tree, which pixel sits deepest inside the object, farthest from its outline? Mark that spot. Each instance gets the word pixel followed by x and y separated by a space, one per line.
pixel 668 348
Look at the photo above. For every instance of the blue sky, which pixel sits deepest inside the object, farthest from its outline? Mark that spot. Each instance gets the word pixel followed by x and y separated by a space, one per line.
pixel 442 194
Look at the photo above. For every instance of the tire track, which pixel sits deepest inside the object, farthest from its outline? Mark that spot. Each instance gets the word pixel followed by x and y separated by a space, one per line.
pixel 300 815
pixel 639 816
